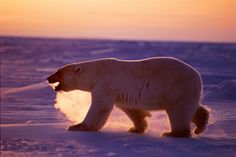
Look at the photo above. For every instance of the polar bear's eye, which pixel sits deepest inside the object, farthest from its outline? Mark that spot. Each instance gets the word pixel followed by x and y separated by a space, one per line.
pixel 78 70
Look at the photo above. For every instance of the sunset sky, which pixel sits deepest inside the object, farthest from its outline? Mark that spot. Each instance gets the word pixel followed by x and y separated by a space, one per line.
pixel 181 20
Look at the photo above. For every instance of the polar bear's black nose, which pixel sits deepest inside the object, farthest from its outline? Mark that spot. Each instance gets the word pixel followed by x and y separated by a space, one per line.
pixel 48 79
pixel 51 79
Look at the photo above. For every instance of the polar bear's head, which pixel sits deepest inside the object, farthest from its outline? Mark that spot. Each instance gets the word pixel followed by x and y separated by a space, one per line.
pixel 65 77
pixel 82 76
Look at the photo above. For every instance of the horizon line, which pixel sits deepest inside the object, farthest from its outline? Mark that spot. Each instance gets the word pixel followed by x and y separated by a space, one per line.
pixel 116 39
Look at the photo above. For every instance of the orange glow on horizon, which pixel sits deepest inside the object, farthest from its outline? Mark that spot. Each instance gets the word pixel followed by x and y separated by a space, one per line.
pixel 202 20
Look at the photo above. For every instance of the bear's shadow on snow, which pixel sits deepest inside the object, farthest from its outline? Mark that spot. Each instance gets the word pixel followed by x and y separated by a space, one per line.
pixel 134 143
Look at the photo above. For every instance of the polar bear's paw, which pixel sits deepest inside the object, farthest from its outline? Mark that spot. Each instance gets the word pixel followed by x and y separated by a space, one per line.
pixel 183 133
pixel 79 127
pixel 135 130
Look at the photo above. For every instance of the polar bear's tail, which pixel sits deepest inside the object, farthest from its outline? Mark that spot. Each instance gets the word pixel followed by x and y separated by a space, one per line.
pixel 200 119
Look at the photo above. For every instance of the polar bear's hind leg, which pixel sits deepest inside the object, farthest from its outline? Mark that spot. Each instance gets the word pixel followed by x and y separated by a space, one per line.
pixel 138 118
pixel 200 119
pixel 180 118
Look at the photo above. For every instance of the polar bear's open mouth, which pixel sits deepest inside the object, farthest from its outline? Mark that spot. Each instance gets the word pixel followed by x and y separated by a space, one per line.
pixel 56 86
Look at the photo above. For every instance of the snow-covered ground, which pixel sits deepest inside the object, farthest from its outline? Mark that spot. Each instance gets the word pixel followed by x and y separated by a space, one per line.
pixel 31 126
pixel 53 139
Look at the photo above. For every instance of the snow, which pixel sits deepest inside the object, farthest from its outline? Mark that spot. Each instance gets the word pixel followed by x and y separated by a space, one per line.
pixel 53 139
pixel 32 124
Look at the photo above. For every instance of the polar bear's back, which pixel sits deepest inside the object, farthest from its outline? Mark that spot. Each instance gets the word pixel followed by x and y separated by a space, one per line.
pixel 158 66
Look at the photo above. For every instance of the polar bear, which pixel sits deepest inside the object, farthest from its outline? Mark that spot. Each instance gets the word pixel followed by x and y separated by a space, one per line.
pixel 137 87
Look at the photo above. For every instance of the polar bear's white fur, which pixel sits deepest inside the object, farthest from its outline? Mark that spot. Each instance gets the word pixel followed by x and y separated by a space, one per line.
pixel 137 87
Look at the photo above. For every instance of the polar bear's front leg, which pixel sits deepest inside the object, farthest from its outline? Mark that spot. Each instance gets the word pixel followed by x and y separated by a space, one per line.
pixel 94 120
pixel 97 115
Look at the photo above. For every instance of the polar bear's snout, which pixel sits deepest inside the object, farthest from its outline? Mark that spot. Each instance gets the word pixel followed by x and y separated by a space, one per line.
pixel 54 78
